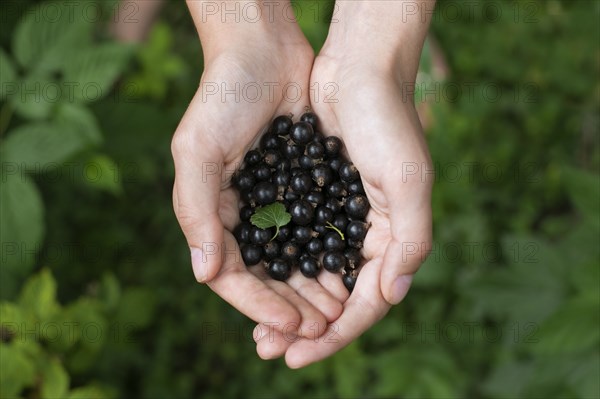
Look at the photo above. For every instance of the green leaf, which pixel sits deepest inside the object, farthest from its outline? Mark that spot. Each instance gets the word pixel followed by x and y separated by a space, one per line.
pixel 36 146
pixel 22 227
pixel 39 295
pixel 55 380
pixel 80 119
pixel 8 74
pixel 17 371
pixel 95 70
pixel 35 97
pixel 574 328
pixel 102 173
pixel 273 215
pixel 49 34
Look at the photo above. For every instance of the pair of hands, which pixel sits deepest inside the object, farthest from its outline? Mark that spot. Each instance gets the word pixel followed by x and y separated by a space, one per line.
pixel 304 319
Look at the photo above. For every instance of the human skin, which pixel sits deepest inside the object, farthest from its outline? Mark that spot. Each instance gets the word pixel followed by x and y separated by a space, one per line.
pixel 372 112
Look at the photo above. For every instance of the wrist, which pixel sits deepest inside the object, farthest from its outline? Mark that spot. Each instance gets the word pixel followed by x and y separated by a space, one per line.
pixel 232 25
pixel 382 36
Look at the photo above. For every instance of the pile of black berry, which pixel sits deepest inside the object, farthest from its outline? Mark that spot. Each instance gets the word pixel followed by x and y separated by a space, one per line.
pixel 304 204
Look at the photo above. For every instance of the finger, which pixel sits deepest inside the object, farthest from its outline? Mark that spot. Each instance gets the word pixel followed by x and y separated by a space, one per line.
pixel 249 294
pixel 317 295
pixel 364 308
pixel 332 282
pixel 408 248
pixel 313 322
pixel 272 343
pixel 198 166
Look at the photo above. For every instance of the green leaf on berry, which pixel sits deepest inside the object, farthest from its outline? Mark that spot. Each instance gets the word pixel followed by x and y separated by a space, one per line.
pixel 272 215
pixel 328 225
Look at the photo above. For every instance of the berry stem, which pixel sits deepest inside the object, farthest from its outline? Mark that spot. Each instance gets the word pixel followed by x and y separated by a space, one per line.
pixel 328 225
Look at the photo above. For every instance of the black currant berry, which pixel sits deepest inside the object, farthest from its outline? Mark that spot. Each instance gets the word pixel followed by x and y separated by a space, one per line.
pixel 309 266
pixel 265 192
pixel 333 204
pixel 291 196
pixel 352 257
pixel 334 261
pixel 281 125
pixel 333 242
pixel 246 213
pixel 284 165
pixel 302 132
pixel 242 232
pixel 244 180
pixel 333 146
pixel 349 281
pixel 348 172
pixel 282 178
pixel 357 206
pixel 272 158
pixel 322 175
pixel 279 269
pixel 260 236
pixel 320 228
pixel 291 150
pixel 355 244
pixel 311 118
pixel 357 230
pixel 272 250
pixel 302 212
pixel 251 254
pixel 252 157
pixel 290 250
pixel 315 198
pixel 314 246
pixel 356 187
pixel 269 142
pixel 302 234
pixel 247 196
pixel 340 221
pixel 336 189
pixel 262 171
pixel 301 183
pixel 306 162
pixel 285 233
pixel 335 164
pixel 315 150
pixel 323 215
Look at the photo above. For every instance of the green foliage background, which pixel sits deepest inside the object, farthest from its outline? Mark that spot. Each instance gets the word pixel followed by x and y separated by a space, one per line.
pixel 98 297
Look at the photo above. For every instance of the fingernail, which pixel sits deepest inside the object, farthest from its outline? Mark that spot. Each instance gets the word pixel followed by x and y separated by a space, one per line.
pixel 400 288
pixel 199 264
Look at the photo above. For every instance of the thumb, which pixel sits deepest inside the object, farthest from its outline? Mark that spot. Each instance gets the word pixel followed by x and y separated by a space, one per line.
pixel 198 171
pixel 408 248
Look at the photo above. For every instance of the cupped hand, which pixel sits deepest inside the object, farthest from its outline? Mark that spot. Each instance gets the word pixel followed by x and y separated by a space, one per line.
pixel 241 91
pixel 373 114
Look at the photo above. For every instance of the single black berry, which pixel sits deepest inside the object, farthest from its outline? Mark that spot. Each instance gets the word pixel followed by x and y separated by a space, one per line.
pixel 348 172
pixel 244 180
pixel 282 178
pixel 251 254
pixel 315 150
pixel 281 125
pixel 302 212
pixel 272 249
pixel 265 192
pixel 302 234
pixel 272 158
pixel 291 150
pixel 311 118
pixel 309 266
pixel 333 241
pixel 306 162
pixel 352 257
pixel 333 146
pixel 315 197
pixel 291 196
pixel 336 189
pixel 246 213
pixel 356 187
pixel 269 141
pixel 340 221
pixel 322 175
pixel 320 228
pixel 314 246
pixel 335 164
pixel 357 230
pixel 252 157
pixel 285 233
pixel 357 206
pixel 301 183
pixel 242 232
pixel 334 204
pixel 290 250
pixel 279 269
pixel 323 215
pixel 302 132
pixel 349 281
pixel 262 171
pixel 334 261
